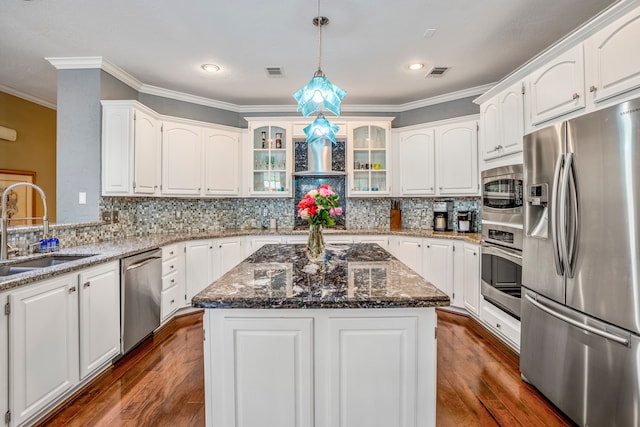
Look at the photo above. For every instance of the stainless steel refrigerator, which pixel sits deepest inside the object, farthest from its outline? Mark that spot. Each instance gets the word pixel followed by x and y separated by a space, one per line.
pixel 580 343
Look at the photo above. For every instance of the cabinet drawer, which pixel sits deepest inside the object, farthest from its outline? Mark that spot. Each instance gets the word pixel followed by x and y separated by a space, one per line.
pixel 170 266
pixel 170 251
pixel 171 279
pixel 501 322
pixel 172 299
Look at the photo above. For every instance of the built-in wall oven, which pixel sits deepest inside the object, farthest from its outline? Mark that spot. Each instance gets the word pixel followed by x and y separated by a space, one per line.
pixel 502 224
pixel 502 267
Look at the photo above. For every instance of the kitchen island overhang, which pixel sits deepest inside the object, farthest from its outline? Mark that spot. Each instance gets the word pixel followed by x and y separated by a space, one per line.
pixel 347 342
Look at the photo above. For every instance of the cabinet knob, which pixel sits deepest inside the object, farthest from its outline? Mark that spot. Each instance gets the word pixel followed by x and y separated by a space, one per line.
pixel 440 188
pixel 172 301
pixel 575 96
pixel 474 254
pixel 72 289
pixel 87 284
pixel 428 246
pixel 171 253
pixel 419 245
pixel 498 325
pixel 174 280
pixel 593 89
pixel 171 268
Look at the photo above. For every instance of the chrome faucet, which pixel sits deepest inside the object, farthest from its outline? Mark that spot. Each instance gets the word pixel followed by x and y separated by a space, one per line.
pixel 5 221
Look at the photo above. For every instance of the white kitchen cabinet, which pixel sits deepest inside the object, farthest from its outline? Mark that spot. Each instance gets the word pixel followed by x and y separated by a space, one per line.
pixel 43 344
pixel 99 316
pixel 269 166
pixel 130 149
pixel 181 158
pixel 614 66
pixel 457 159
pixel 222 166
pixel 319 367
pixel 199 265
pixel 174 289
pixel 557 88
pixel 409 251
pixel 502 123
pixel 500 323
pixel 470 271
pixel 337 239
pixel 438 264
pixel 368 160
pixel 256 242
pixel 416 162
pixel 266 364
pixel 229 253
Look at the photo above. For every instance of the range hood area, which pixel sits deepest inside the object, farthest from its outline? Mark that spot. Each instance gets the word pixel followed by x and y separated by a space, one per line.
pixel 315 164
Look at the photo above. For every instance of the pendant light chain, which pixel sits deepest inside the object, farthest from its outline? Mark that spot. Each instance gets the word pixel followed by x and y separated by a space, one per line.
pixel 319 39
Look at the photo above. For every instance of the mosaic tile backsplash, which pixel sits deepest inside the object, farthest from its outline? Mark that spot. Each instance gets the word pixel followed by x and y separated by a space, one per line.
pixel 141 216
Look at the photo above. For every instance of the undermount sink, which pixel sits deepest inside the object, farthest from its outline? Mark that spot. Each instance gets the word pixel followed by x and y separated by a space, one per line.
pixel 37 263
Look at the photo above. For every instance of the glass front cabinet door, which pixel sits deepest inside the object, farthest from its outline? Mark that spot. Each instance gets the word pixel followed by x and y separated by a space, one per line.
pixel 270 159
pixel 369 161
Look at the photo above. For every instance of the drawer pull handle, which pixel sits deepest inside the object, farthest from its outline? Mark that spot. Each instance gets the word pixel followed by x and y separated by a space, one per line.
pixel 575 96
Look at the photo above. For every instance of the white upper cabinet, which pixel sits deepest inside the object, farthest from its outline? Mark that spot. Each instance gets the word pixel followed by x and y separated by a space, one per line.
pixel 457 158
pixel 439 160
pixel 557 88
pixel 368 159
pixel 502 123
pixel 269 163
pixel 221 153
pixel 615 67
pixel 130 149
pixel 416 159
pixel 181 158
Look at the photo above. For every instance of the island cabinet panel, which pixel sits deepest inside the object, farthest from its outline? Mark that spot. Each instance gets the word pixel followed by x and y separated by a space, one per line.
pixel 43 345
pixel 372 373
pixel 320 367
pixel 264 367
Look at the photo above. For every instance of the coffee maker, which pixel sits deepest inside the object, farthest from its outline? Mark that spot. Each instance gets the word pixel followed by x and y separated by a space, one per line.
pixel 465 222
pixel 442 212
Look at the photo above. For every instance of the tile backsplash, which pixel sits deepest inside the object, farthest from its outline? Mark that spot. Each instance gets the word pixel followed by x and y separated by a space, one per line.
pixel 140 216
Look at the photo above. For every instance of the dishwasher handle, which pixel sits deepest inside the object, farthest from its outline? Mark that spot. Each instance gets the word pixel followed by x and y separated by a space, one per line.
pixel 141 263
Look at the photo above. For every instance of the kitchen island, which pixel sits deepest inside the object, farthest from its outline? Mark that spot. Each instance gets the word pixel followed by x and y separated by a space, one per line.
pixel 346 342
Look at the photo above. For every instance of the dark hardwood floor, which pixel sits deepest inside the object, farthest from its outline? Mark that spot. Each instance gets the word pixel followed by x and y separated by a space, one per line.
pixel 161 383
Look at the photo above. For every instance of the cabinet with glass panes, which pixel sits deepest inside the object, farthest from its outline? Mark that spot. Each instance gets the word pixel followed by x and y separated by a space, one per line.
pixel 270 159
pixel 369 159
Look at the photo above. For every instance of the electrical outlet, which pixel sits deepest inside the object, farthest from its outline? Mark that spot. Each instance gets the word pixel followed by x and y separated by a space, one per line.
pixel 106 217
pixel 115 217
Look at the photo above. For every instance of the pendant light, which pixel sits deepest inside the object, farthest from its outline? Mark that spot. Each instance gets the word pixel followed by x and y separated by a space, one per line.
pixel 320 129
pixel 319 92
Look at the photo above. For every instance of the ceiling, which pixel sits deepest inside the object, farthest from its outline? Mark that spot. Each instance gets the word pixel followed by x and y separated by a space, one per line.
pixel 366 48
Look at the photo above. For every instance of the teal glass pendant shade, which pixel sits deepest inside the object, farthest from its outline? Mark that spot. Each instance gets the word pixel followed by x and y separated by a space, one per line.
pixel 320 129
pixel 319 93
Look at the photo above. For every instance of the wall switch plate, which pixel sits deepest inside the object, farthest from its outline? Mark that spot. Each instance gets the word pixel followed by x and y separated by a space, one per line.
pixel 82 198
pixel 115 217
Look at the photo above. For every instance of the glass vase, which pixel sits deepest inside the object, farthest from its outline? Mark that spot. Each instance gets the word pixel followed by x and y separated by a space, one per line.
pixel 315 244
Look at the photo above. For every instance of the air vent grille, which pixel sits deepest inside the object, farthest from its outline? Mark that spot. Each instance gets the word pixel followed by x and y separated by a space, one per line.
pixel 437 71
pixel 274 71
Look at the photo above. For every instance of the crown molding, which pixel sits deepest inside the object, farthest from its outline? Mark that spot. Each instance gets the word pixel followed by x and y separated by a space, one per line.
pixel 68 63
pixel 28 97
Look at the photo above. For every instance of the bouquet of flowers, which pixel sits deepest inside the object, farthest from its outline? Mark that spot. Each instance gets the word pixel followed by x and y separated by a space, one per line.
pixel 320 206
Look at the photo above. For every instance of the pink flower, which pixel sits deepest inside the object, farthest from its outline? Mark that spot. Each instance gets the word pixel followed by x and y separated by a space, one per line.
pixel 335 211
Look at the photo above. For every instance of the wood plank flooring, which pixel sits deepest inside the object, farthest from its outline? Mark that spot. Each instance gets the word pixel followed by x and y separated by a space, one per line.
pixel 161 383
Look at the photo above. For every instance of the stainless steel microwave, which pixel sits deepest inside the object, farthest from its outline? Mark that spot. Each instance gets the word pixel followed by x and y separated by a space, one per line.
pixel 502 194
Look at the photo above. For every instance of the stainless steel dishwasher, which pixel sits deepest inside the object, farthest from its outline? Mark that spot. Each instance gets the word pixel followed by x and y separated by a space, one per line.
pixel 140 296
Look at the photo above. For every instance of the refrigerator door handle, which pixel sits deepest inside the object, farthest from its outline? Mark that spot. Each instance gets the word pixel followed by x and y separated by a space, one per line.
pixel 564 194
pixel 554 216
pixel 574 225
pixel 602 333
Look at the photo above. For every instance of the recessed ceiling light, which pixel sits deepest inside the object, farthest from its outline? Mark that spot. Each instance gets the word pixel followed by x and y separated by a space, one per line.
pixel 416 66
pixel 428 33
pixel 210 68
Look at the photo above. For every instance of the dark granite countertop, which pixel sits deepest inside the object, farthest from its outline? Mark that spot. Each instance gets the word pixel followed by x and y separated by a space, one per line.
pixel 359 275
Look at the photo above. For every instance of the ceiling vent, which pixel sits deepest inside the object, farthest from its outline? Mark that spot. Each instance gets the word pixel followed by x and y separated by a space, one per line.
pixel 437 71
pixel 274 71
